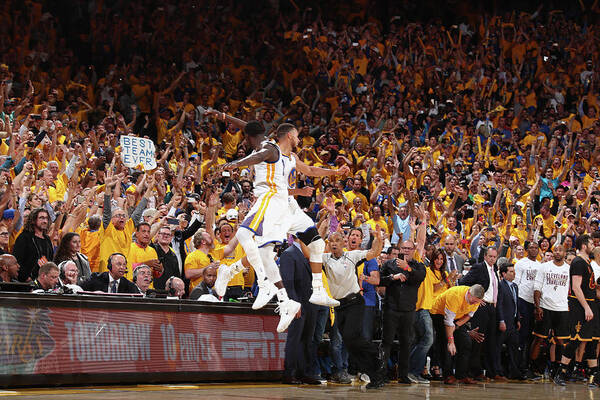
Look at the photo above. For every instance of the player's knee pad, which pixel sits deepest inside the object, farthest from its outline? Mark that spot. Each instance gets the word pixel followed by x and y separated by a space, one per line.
pixel 309 236
pixel 317 248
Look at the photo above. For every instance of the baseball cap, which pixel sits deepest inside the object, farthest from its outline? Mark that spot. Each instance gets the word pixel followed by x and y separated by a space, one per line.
pixel 8 214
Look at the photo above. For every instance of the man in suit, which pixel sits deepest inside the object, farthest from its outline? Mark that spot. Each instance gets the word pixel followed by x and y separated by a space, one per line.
pixel 507 314
pixel 484 320
pixel 206 287
pixel 454 260
pixel 113 280
pixel 300 352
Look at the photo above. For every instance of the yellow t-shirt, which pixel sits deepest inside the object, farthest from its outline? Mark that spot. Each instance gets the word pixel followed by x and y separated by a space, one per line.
pixel 138 256
pixel 197 259
pixel 436 277
pixel 58 193
pixel 231 142
pixel 351 195
pixel 115 241
pixel 238 254
pixel 90 246
pixel 380 223
pixel 454 299
pixel 425 293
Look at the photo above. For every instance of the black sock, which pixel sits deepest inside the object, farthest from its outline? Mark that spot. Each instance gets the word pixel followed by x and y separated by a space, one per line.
pixel 564 368
pixel 592 370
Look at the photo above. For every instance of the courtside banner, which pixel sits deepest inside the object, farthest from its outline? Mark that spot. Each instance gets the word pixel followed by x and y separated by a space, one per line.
pixel 56 340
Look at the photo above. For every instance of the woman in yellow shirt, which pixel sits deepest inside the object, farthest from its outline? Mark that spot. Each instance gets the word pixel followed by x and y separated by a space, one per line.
pixel 441 282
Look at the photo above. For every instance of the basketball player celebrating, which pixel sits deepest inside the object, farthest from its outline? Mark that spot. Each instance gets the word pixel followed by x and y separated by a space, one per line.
pixel 582 294
pixel 265 224
pixel 550 296
pixel 298 223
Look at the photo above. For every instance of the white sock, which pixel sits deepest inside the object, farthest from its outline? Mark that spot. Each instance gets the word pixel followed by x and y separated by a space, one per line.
pixel 317 280
pixel 246 239
pixel 282 295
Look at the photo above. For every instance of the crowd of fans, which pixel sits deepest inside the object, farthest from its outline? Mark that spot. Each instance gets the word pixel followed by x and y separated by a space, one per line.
pixel 481 131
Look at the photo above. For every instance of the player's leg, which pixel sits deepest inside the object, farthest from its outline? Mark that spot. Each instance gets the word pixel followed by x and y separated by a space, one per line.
pixel 227 272
pixel 316 245
pixel 287 308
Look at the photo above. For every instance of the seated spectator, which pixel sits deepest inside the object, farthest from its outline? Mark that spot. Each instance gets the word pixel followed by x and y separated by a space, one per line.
pixel 175 287
pixel 142 277
pixel 113 280
pixel 69 276
pixel 205 288
pixel 47 278
pixel 9 268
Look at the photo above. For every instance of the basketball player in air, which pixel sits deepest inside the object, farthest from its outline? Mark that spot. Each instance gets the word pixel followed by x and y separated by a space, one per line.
pixel 265 222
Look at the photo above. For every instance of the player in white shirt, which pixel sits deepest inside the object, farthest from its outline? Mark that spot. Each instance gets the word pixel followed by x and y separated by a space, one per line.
pixel 551 291
pixel 295 221
pixel 525 272
pixel 266 224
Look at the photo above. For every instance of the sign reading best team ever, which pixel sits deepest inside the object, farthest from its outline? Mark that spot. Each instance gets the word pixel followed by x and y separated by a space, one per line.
pixel 136 151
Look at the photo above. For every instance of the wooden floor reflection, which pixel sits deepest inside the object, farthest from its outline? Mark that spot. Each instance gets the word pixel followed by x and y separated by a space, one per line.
pixel 246 391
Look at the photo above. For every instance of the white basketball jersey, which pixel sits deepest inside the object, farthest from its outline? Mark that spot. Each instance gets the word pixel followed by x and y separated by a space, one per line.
pixel 274 177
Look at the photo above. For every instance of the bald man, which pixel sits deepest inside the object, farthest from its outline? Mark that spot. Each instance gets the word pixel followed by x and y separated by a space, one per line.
pixel 9 268
pixel 209 276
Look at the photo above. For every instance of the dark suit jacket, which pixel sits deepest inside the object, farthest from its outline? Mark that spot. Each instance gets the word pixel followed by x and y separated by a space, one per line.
pixel 100 282
pixel 200 290
pixel 296 274
pixel 506 306
pixel 479 275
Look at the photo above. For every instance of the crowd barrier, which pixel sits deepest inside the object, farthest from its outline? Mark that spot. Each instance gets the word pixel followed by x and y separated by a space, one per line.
pixel 68 339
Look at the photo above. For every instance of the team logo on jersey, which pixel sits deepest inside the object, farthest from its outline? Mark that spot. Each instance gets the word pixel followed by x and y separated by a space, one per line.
pixel 292 179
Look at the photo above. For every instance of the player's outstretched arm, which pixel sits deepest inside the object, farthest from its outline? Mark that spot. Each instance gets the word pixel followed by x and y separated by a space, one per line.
pixel 309 170
pixel 267 153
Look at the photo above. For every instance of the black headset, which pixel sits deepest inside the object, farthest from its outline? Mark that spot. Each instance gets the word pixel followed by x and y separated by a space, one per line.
pixel 109 264
pixel 136 273
pixel 61 269
pixel 169 286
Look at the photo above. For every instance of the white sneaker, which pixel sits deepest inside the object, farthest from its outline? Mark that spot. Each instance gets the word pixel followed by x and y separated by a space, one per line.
pixel 320 297
pixel 266 291
pixel 224 275
pixel 287 311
